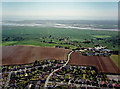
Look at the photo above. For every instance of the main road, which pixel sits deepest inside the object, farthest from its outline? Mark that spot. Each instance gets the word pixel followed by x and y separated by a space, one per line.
pixel 68 58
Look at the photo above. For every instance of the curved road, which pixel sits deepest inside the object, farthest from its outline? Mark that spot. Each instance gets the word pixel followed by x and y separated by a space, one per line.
pixel 68 58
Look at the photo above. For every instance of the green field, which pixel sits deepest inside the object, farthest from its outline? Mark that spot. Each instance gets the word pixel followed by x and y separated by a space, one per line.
pixel 115 59
pixel 101 36
pixel 38 36
pixel 35 43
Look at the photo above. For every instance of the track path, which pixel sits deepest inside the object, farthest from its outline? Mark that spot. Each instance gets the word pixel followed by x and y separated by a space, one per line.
pixel 68 58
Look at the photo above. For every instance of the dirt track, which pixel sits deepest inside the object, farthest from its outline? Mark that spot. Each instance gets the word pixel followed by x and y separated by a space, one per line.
pixel 28 54
pixel 104 64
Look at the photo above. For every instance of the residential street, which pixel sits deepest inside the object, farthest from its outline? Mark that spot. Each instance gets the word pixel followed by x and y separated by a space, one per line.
pixel 68 58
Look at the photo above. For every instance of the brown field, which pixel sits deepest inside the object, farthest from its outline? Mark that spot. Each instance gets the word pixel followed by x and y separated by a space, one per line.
pixel 27 54
pixel 103 64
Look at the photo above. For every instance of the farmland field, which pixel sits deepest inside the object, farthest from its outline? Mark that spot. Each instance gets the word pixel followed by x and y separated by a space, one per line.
pixel 51 37
pixel 103 64
pixel 115 59
pixel 63 35
pixel 26 54
pixel 100 36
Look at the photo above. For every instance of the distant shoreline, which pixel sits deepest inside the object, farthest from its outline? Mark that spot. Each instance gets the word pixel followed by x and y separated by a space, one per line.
pixel 77 28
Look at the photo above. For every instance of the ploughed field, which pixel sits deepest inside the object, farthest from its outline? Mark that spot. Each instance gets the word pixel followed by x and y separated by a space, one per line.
pixel 27 54
pixel 103 64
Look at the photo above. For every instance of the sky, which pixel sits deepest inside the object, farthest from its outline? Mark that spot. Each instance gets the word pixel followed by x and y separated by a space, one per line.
pixel 60 10
pixel 59 0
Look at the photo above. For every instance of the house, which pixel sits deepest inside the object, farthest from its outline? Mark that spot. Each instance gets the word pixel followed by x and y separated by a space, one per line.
pixel 96 45
pixel 99 48
pixel 107 50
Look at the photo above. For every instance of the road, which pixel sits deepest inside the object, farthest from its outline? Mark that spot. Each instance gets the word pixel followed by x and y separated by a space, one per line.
pixel 8 79
pixel 46 82
pixel 68 58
